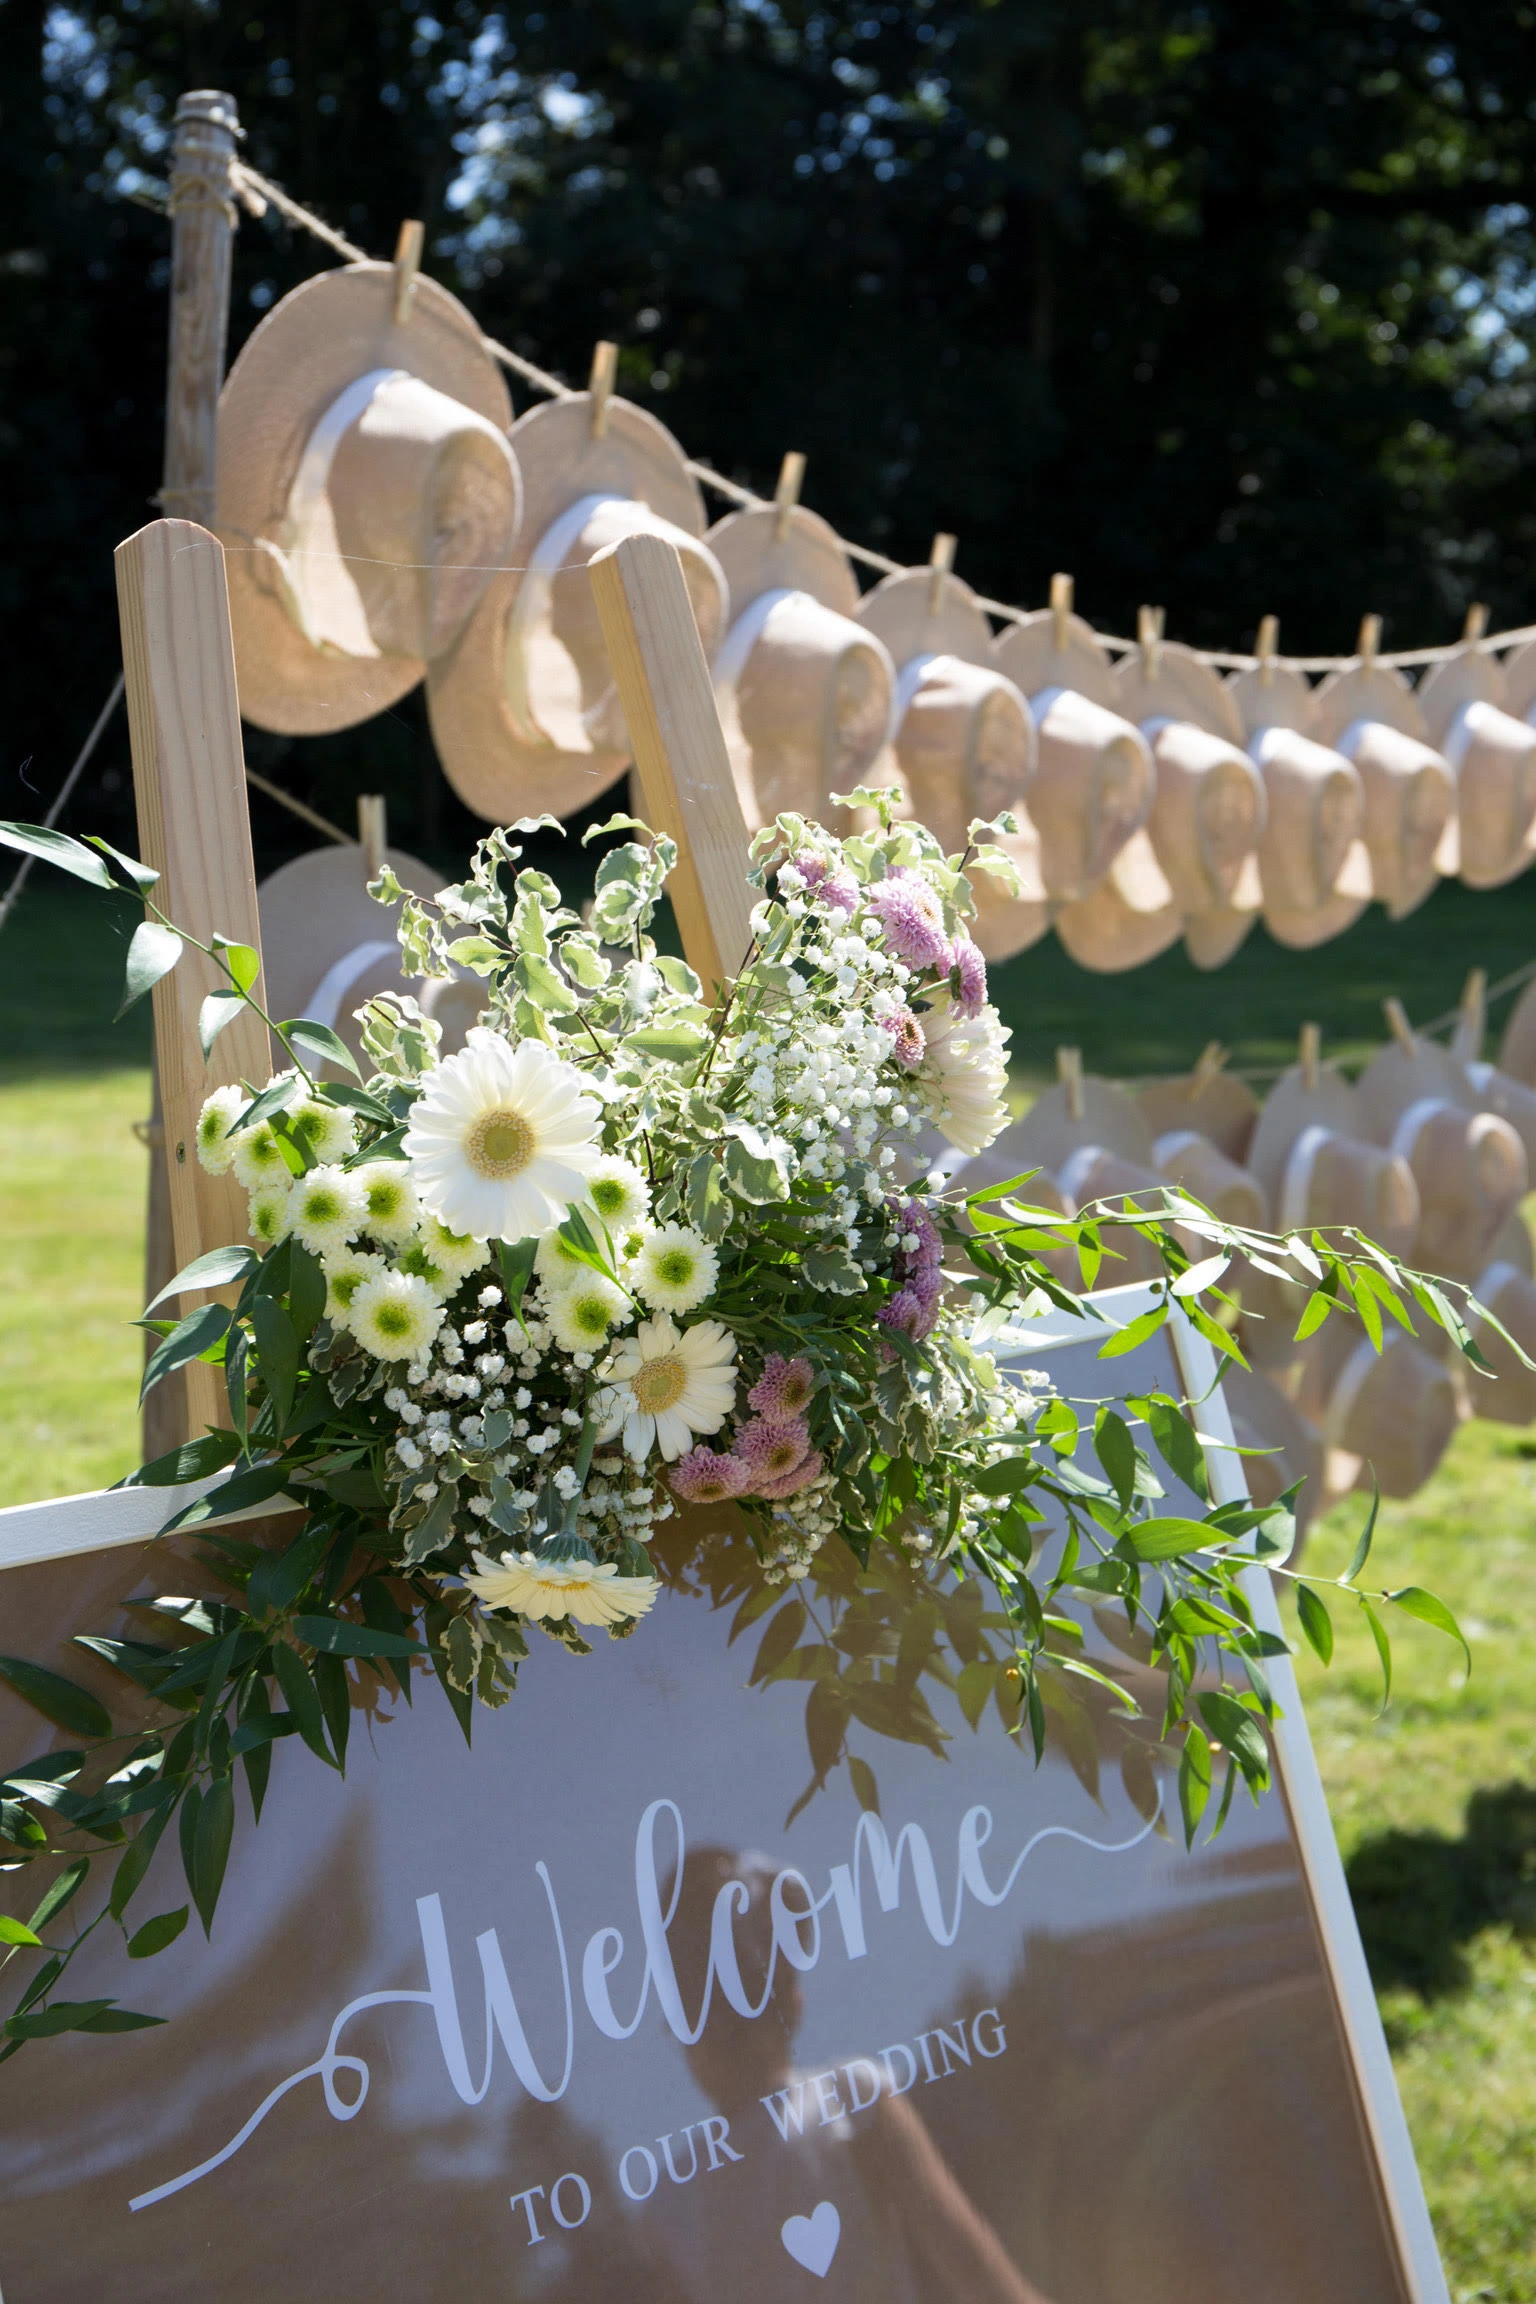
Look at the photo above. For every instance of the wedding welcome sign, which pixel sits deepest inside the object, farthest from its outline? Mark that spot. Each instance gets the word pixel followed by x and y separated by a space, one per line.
pixel 778 1972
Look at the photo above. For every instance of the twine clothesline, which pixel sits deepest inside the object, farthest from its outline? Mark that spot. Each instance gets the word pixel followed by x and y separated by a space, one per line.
pixel 257 193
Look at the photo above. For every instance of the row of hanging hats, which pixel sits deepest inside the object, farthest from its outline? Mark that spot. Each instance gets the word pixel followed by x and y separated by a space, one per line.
pixel 388 521
pixel 1430 1152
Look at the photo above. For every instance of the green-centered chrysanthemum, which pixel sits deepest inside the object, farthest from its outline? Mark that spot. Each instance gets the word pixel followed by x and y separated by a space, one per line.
pixel 345 1272
pixel 215 1145
pixel 582 1314
pixel 391 1210
pixel 395 1316
pixel 326 1209
pixel 675 1270
pixel 268 1221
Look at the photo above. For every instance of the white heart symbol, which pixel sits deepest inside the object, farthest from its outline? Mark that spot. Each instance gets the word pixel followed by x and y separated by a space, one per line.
pixel 812 2240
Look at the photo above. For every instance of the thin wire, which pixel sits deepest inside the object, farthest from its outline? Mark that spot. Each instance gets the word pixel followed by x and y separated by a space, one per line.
pixel 301 809
pixel 8 901
pixel 258 192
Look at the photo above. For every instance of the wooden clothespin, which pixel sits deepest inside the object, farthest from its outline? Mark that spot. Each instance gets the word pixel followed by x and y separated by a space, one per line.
pixel 941 560
pixel 1472 1020
pixel 787 494
pixel 605 374
pixel 1368 642
pixel 408 248
pixel 1069 1071
pixel 1149 638
pixel 1266 646
pixel 372 832
pixel 1309 1055
pixel 1211 1059
pixel 1402 1031
pixel 1476 624
pixel 1061 612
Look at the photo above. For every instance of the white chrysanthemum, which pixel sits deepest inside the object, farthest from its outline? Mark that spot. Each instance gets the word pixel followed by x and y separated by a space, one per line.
pixel 675 1270
pixel 257 1157
pixel 268 1219
pixel 329 1130
pixel 442 1258
pixel 964 1074
pixel 326 1209
pixel 581 1313
pixel 557 1263
pixel 345 1271
pixel 588 1591
pixel 664 1384
pixel 395 1316
pixel 215 1145
pixel 501 1139
pixel 620 1194
pixel 391 1210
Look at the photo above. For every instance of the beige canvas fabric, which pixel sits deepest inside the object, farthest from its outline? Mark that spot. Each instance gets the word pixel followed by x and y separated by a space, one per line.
pixel 1128 919
pixel 1057 1123
pixel 1493 755
pixel 1370 714
pixel 1208 807
pixel 366 494
pixel 524 711
pixel 1294 1103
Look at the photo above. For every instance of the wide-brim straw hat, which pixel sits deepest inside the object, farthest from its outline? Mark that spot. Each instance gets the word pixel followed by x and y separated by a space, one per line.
pixel 1509 1395
pixel 1517 1049
pixel 1128 919
pixel 366 491
pixel 1093 787
pixel 1062 1119
pixel 1301 1098
pixel 1208 811
pixel 1169 682
pixel 524 712
pixel 1471 1171
pixel 1395 1411
pixel 1314 868
pixel 1331 1180
pixel 805 696
pixel 1494 757
pixel 1221 1107
pixel 1405 1070
pixel 1513 1100
pixel 1029 653
pixel 1213 934
pixel 1370 714
pixel 1186 1158
pixel 327 946
pixel 1096 1179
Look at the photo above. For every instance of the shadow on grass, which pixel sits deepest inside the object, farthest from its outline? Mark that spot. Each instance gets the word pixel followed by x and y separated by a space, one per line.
pixel 1421 1898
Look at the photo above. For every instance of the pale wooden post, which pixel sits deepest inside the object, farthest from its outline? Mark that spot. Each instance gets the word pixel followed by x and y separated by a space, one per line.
pixel 684 769
pixel 195 830
pixel 203 219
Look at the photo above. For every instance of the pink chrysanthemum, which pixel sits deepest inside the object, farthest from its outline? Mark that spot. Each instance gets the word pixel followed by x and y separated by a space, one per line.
pixel 904 1311
pixel 783 1391
pixel 912 917
pixel 705 1477
pixel 967 976
pixel 907 1043
pixel 768 1450
pixel 791 1482
pixel 829 884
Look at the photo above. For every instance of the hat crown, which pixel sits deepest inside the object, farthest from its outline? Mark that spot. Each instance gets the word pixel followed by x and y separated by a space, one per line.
pixel 966 745
pixel 808 702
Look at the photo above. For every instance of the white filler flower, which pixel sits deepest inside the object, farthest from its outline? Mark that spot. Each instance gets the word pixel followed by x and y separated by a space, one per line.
pixel 664 1384
pixel 964 1074
pixel 326 1209
pixel 502 1140
pixel 395 1316
pixel 587 1591
pixel 675 1269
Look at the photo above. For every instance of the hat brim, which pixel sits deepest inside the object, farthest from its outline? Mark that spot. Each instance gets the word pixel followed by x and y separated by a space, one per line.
pixel 1027 653
pixel 1365 692
pixel 898 612
pixel 1182 688
pixel 485 756
pixel 317 909
pixel 808 557
pixel 319 339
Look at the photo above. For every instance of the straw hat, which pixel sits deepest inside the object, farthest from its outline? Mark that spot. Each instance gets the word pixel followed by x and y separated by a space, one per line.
pixel 1093 782
pixel 1470 1168
pixel 1511 1099
pixel 524 711
pixel 998 1165
pixel 1517 1050
pixel 1313 867
pixel 327 947
pixel 1050 650
pixel 1395 1411
pixel 1128 919
pixel 1331 1179
pixel 1209 1099
pixel 804 696
pixel 1518 672
pixel 1310 1094
pixel 1079 1109
pixel 1184 1157
pixel 366 491
pixel 1510 1295
pixel 1092 1175
pixel 1264 1419
pixel 1405 1070
pixel 1494 756
pixel 1370 714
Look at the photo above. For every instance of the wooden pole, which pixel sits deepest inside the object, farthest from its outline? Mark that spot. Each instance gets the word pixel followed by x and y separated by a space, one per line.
pixel 686 785
pixel 195 830
pixel 202 244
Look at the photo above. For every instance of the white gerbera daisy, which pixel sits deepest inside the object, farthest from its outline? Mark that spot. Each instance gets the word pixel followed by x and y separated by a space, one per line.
pixel 395 1316
pixel 391 1208
pixel 345 1271
pixel 620 1194
pixel 675 1269
pixel 502 1139
pixel 268 1219
pixel 215 1145
pixel 257 1157
pixel 664 1384
pixel 964 1074
pixel 581 1313
pixel 326 1209
pixel 588 1591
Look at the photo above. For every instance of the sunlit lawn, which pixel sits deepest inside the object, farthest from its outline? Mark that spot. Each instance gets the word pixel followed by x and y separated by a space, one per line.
pixel 1449 1913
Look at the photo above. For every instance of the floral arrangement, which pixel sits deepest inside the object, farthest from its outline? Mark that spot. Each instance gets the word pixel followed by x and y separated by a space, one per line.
pixel 502 1312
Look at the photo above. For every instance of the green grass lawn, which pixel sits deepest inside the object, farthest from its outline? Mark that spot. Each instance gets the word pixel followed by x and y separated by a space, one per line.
pixel 1435 1799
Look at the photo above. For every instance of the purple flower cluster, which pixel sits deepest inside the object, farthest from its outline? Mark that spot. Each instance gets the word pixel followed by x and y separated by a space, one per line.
pixel 830 884
pixel 909 911
pixel 916 1271
pixel 907 1042
pixel 967 975
pixel 771 1455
